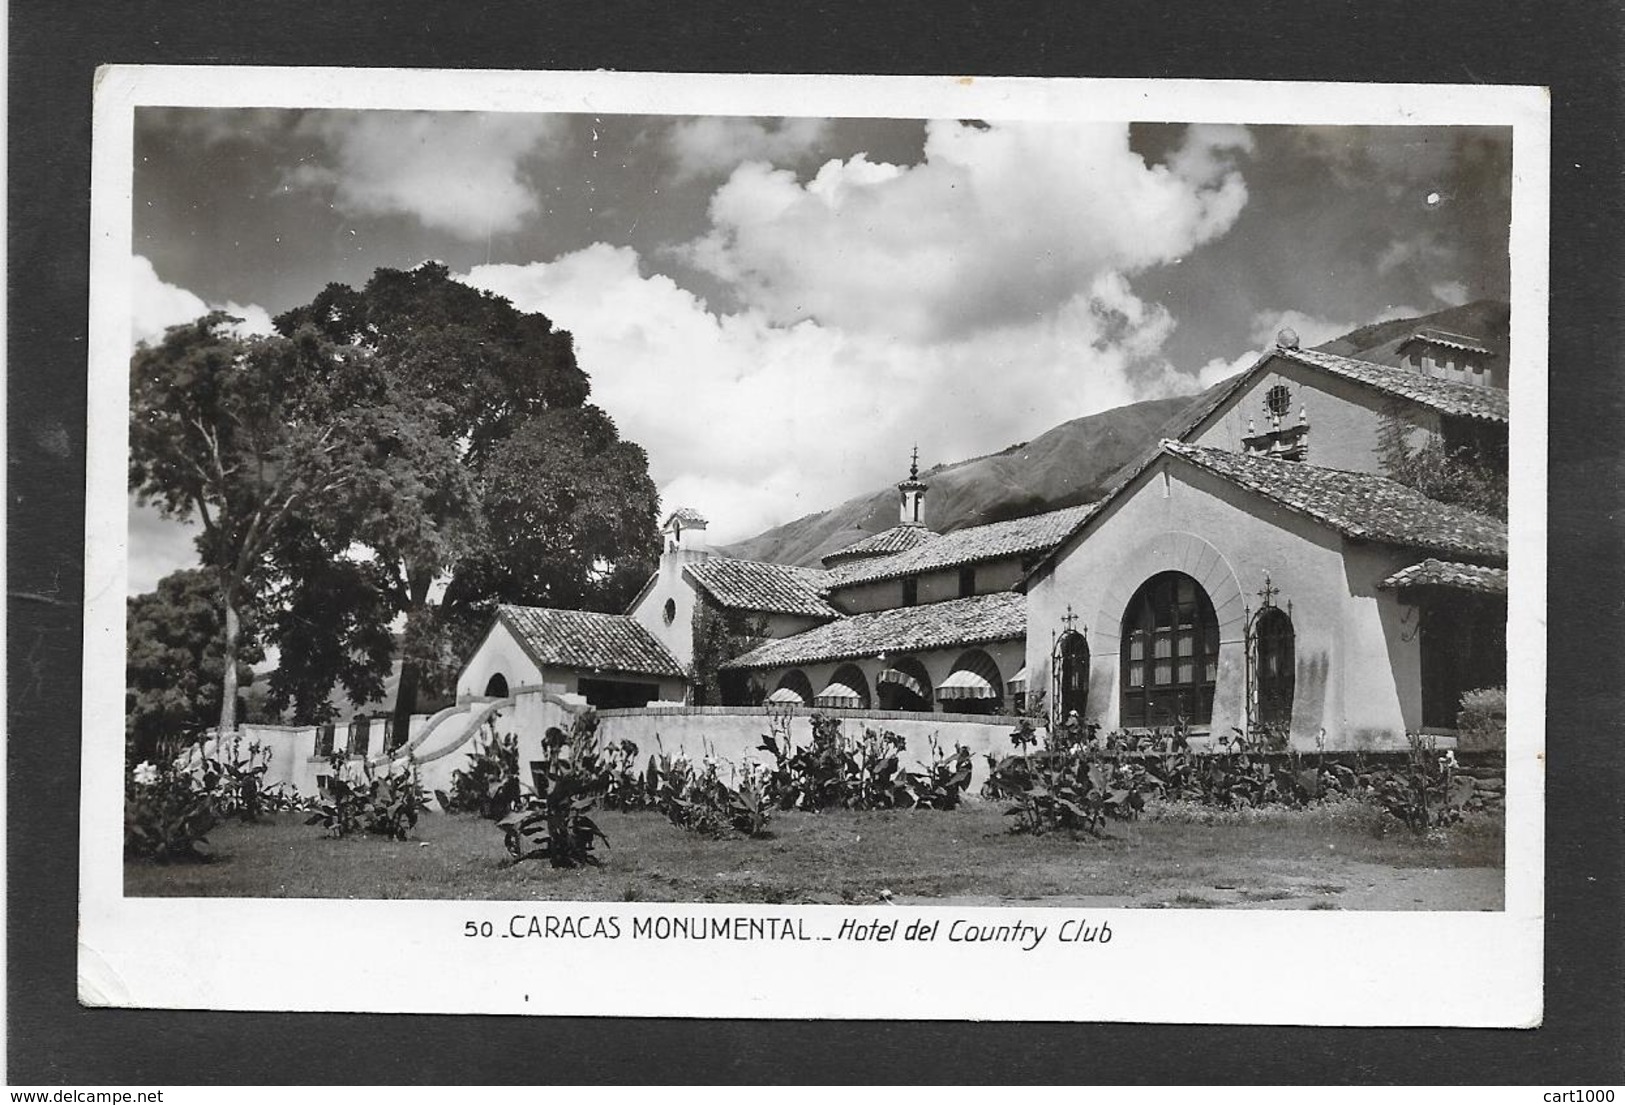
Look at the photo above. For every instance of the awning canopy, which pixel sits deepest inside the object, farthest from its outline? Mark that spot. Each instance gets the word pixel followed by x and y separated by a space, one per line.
pixel 838 694
pixel 786 696
pixel 1448 575
pixel 904 679
pixel 1018 682
pixel 976 676
pixel 966 684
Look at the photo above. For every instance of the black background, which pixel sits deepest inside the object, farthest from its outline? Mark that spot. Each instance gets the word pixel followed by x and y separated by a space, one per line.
pixel 1573 48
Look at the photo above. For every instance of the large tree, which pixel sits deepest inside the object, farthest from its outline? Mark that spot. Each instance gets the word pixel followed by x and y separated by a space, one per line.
pixel 174 660
pixel 521 492
pixel 249 436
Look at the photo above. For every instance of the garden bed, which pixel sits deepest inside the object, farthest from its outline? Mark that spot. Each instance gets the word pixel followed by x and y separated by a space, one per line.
pixel 1341 855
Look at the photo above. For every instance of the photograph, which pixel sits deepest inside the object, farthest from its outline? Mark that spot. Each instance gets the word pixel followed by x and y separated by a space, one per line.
pixel 827 519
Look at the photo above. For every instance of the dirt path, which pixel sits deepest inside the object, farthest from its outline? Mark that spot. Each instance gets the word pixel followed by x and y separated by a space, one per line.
pixel 1350 885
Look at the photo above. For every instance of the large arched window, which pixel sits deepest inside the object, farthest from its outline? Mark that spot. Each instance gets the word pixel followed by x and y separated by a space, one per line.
pixel 496 686
pixel 1170 657
pixel 1277 666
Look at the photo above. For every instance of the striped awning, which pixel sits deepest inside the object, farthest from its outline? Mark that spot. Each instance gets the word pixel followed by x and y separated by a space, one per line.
pixel 966 684
pixel 1018 682
pixel 904 679
pixel 975 676
pixel 786 696
pixel 838 694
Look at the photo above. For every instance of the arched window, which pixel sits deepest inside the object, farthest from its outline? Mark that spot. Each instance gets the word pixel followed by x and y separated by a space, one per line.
pixel 974 686
pixel 497 686
pixel 794 689
pixel 905 685
pixel 847 687
pixel 1170 653
pixel 1277 666
pixel 1071 675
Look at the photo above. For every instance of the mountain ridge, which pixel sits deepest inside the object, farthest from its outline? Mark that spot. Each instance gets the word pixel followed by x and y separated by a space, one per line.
pixel 1074 461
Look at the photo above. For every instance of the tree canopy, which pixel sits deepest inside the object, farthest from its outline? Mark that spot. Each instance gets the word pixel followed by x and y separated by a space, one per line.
pixel 517 490
pixel 174 661
pixel 250 437
pixel 385 440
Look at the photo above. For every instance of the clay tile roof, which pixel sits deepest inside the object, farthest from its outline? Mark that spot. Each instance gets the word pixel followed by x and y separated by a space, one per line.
pixel 769 588
pixel 1445 396
pixel 1001 616
pixel 1016 537
pixel 686 515
pixel 1357 504
pixel 888 541
pixel 1446 338
pixel 1443 573
pixel 588 641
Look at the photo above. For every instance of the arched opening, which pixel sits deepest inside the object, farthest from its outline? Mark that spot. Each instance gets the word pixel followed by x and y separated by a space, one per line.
pixel 794 689
pixel 904 685
pixel 1170 654
pixel 847 687
pixel 1276 670
pixel 496 686
pixel 1071 666
pixel 974 686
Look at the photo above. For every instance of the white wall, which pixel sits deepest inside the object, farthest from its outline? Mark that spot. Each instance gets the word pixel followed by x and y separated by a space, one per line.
pixel 669 585
pixel 499 653
pixel 1345 418
pixel 1356 676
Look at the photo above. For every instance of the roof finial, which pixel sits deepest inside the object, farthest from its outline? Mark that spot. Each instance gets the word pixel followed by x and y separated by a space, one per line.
pixel 914 463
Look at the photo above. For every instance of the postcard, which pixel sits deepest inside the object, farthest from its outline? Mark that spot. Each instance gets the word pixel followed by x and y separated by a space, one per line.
pixel 963 548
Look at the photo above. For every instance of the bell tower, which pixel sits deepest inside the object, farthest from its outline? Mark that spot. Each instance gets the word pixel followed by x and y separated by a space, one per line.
pixel 913 494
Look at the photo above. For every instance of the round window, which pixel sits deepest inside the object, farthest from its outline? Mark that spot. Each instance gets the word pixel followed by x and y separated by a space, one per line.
pixel 1278 400
pixel 671 610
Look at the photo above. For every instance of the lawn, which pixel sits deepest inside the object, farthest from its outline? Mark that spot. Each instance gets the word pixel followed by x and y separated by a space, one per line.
pixel 1329 858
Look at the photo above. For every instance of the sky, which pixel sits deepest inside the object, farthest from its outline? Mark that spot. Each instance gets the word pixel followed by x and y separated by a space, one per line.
pixel 778 310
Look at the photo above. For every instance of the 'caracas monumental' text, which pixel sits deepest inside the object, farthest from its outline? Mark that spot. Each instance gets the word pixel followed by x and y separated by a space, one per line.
pixel 718 928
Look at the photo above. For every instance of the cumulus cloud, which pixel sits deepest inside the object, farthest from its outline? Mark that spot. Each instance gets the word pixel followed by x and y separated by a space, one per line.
pixel 156 305
pixel 460 172
pixel 1312 330
pixel 717 144
pixel 754 421
pixel 997 224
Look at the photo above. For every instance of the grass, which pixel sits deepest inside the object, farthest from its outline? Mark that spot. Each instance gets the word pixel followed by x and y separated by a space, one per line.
pixel 834 857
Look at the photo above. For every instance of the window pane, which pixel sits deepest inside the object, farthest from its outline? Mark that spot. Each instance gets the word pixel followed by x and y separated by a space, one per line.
pixel 1186 672
pixel 1136 647
pixel 1160 673
pixel 1159 647
pixel 1187 642
pixel 1136 675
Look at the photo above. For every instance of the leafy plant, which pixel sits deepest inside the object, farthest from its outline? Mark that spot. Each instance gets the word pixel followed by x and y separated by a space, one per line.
pixel 942 782
pixel 380 804
pixel 698 800
pixel 1427 793
pixel 168 812
pixel 554 821
pixel 490 784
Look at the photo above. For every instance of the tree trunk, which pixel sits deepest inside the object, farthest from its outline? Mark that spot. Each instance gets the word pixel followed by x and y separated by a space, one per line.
pixel 406 694
pixel 228 688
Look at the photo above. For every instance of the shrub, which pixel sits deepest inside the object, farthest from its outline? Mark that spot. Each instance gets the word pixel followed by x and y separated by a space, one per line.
pixel 168 812
pixel 1482 724
pixel 383 805
pixel 834 771
pixel 698 800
